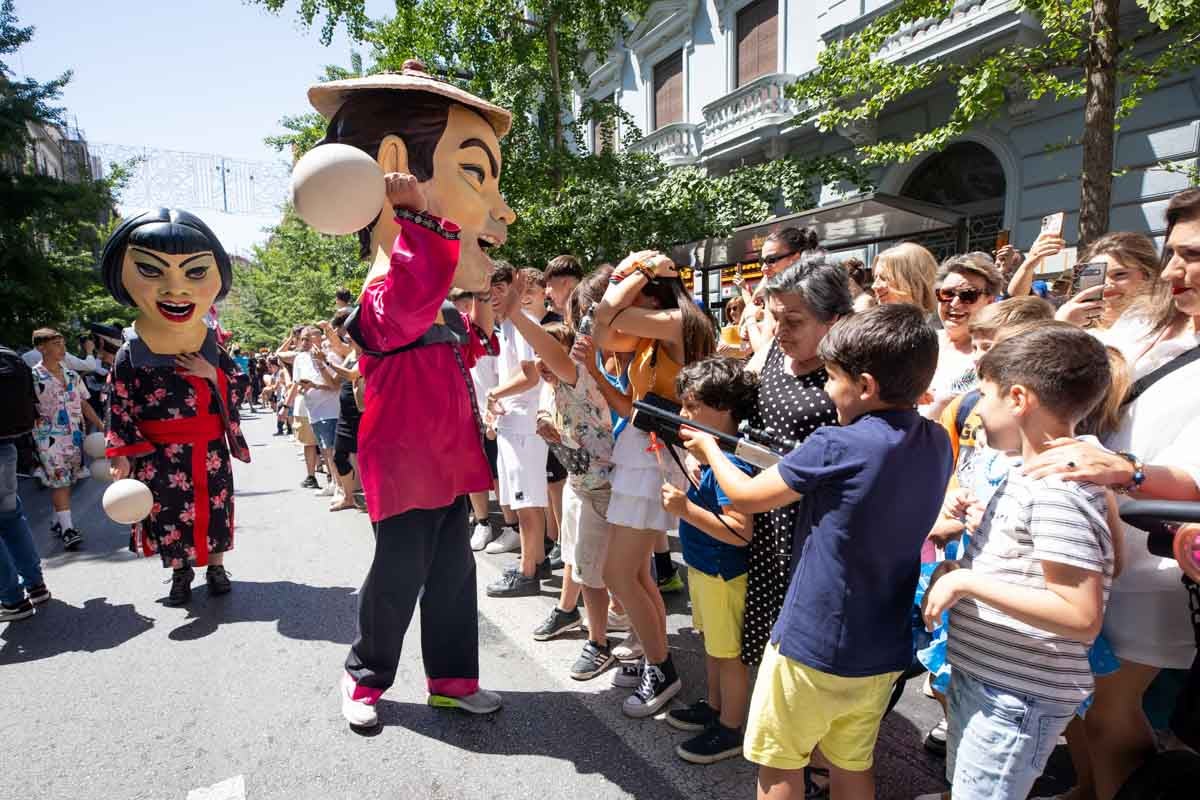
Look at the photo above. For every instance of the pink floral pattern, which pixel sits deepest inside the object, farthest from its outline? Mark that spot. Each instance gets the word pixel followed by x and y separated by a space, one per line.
pixel 161 393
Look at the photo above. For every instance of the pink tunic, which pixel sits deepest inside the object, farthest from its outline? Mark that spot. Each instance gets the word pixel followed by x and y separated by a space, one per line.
pixel 418 442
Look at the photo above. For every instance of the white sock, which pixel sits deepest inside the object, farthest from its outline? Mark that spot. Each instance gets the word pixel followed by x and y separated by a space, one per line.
pixel 63 518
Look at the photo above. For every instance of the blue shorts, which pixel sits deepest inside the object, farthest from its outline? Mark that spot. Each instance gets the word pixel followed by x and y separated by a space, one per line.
pixel 998 742
pixel 326 431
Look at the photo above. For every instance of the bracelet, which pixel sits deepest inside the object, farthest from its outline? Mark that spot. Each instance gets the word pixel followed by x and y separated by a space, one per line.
pixel 638 266
pixel 1139 474
pixel 647 271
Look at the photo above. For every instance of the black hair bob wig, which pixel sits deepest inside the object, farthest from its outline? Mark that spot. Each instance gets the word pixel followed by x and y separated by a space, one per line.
pixel 165 230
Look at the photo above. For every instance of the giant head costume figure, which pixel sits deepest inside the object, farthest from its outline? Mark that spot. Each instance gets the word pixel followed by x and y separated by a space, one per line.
pixel 447 138
pixel 171 266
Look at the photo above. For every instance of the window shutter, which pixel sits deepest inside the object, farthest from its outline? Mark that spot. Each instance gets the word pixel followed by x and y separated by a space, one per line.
pixel 757 40
pixel 668 90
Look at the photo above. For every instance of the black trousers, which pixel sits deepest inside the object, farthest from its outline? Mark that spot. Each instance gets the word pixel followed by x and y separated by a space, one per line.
pixel 420 555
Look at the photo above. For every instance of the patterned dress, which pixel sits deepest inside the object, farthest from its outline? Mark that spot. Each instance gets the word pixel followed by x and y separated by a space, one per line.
pixel 58 430
pixel 179 431
pixel 793 407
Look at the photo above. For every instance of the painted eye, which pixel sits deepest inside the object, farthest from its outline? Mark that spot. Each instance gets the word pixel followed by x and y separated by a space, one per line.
pixel 148 270
pixel 475 170
pixel 197 273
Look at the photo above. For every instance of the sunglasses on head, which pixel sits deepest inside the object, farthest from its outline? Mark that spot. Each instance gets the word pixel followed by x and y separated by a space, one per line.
pixel 967 296
pixel 771 261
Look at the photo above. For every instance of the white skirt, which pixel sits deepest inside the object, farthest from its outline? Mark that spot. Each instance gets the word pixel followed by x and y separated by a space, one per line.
pixel 637 480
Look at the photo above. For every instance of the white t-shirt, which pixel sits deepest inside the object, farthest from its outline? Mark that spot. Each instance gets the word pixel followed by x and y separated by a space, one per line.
pixel 321 404
pixel 520 411
pixel 955 374
pixel 1028 522
pixel 484 375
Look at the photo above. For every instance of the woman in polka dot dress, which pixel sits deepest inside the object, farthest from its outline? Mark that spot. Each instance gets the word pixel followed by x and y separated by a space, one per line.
pixel 805 300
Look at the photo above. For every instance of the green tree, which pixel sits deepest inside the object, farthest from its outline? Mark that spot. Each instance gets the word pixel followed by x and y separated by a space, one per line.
pixel 1081 54
pixel 528 57
pixel 290 280
pixel 50 229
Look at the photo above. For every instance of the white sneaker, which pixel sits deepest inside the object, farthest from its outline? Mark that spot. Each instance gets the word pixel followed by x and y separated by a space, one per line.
pixel 359 713
pixel 481 536
pixel 630 649
pixel 482 702
pixel 617 623
pixel 509 541
pixel 325 491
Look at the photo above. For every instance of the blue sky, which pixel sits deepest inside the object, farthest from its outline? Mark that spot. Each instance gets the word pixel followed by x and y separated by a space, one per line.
pixel 208 76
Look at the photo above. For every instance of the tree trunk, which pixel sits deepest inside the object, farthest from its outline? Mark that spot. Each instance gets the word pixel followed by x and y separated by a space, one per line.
pixel 555 94
pixel 1099 118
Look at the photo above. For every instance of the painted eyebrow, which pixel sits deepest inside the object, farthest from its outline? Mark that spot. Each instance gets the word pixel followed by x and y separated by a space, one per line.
pixel 197 256
pixel 148 253
pixel 483 146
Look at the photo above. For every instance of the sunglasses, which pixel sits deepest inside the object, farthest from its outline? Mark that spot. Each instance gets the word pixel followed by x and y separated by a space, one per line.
pixel 771 261
pixel 966 296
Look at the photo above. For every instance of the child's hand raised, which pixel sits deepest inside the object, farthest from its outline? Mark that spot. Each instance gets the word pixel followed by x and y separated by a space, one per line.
pixel 700 445
pixel 674 499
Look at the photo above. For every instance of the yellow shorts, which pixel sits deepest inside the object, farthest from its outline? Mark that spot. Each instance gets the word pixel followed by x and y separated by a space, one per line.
pixel 718 607
pixel 795 708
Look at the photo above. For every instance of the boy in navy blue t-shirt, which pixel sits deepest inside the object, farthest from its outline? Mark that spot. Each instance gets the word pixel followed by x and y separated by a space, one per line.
pixel 719 393
pixel 870 492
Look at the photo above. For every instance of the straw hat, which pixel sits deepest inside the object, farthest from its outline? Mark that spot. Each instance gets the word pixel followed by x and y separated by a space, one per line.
pixel 328 97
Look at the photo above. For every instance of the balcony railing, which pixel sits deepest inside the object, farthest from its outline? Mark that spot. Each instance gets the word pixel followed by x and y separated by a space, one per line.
pixel 676 144
pixel 760 103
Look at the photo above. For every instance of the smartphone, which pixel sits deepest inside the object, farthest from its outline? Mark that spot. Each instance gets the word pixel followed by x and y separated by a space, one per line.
pixel 1002 238
pixel 1088 275
pixel 1053 223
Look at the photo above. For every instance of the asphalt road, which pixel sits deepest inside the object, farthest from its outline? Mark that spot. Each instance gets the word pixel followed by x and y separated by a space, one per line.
pixel 107 693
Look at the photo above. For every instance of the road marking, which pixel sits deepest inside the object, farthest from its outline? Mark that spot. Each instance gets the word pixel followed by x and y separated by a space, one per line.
pixel 232 789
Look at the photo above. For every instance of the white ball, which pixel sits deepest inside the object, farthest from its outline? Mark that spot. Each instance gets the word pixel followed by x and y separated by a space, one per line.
pixel 93 445
pixel 337 189
pixel 127 501
pixel 99 469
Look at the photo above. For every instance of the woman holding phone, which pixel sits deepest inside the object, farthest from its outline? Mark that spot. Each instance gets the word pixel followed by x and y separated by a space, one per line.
pixel 1130 262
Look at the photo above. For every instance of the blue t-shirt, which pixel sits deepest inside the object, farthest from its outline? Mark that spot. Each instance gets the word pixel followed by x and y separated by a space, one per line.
pixel 872 491
pixel 701 551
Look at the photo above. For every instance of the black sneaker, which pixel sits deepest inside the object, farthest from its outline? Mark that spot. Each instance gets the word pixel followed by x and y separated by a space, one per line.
pixel 71 539
pixel 935 740
pixel 594 659
pixel 555 557
pixel 543 572
pixel 16 611
pixel 659 684
pixel 715 744
pixel 310 483
pixel 628 675
pixel 514 584
pixel 38 594
pixel 217 579
pixel 696 717
pixel 558 622
pixel 181 587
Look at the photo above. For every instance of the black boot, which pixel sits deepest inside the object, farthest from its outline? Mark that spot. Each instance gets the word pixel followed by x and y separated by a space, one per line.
pixel 181 587
pixel 217 579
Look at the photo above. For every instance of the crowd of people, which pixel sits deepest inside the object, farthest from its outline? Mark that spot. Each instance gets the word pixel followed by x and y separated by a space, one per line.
pixel 954 439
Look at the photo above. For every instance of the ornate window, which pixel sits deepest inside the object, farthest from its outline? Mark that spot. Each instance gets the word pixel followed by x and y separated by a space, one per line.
pixel 668 90
pixel 757 40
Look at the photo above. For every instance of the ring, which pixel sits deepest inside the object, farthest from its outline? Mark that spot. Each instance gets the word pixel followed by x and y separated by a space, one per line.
pixel 1070 465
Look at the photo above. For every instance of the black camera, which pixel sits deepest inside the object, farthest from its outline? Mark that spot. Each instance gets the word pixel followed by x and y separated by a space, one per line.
pixel 760 447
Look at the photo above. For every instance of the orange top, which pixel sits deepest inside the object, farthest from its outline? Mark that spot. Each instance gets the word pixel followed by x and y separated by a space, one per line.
pixel 659 377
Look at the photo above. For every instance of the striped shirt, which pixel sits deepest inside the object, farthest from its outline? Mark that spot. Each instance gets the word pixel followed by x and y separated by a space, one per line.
pixel 1028 522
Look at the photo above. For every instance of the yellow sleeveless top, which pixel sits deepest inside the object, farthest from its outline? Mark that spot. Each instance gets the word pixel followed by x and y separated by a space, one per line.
pixel 657 377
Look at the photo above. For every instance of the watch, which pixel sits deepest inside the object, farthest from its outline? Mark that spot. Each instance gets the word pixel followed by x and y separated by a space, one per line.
pixel 1139 474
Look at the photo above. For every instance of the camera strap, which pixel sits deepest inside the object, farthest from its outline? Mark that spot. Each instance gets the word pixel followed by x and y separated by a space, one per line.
pixel 714 511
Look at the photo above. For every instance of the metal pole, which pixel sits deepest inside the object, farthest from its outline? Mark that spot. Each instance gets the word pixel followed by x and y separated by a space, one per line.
pixel 224 194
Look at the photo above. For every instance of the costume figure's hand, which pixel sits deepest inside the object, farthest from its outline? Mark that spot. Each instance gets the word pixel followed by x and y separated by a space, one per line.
pixel 196 365
pixel 118 467
pixel 404 191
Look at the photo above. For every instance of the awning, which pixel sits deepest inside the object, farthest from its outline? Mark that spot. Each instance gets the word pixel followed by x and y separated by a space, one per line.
pixel 866 219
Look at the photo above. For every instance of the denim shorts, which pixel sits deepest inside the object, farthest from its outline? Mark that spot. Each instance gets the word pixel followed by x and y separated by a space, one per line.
pixel 326 431
pixel 998 742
